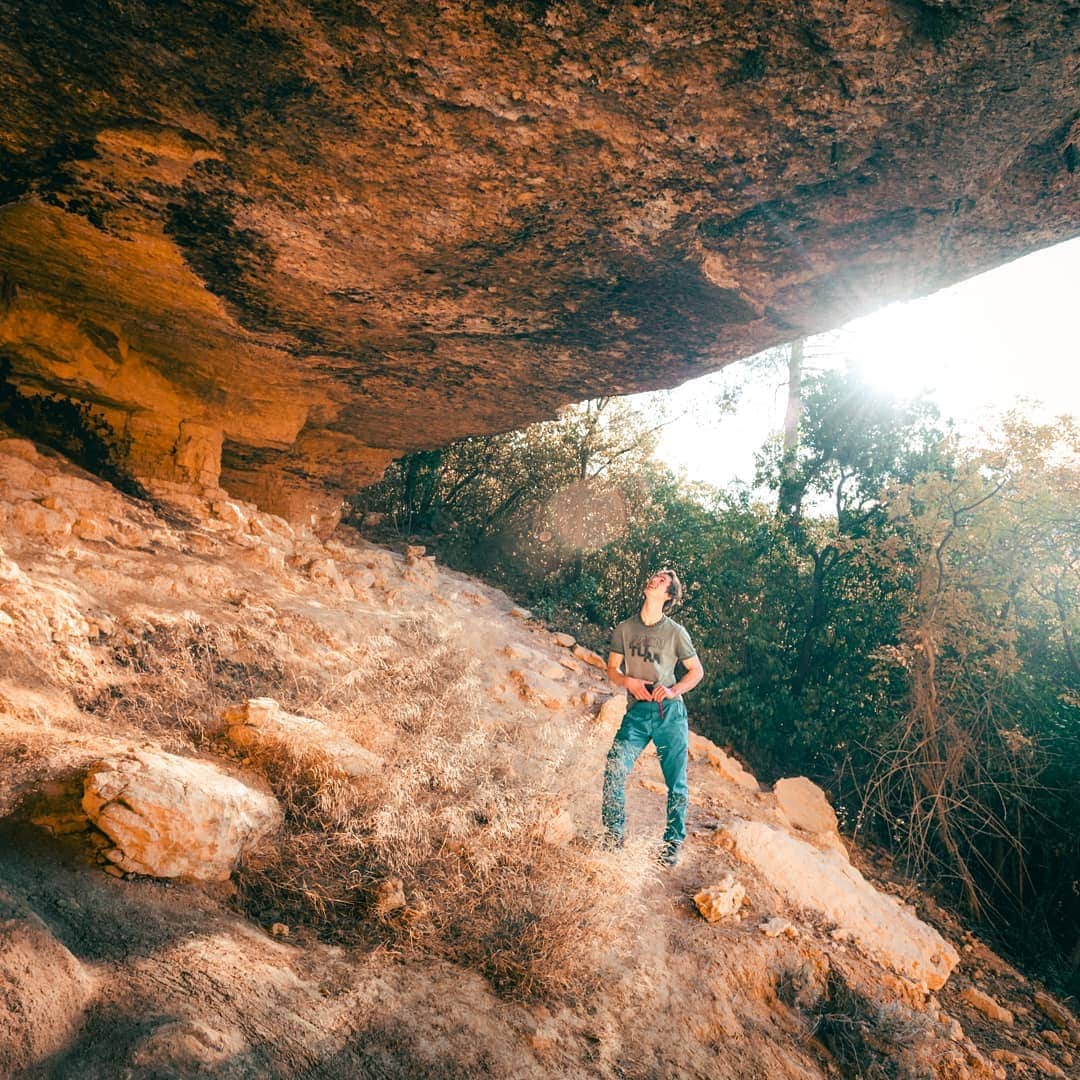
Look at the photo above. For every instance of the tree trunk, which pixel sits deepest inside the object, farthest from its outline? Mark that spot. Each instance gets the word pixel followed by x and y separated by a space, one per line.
pixel 790 496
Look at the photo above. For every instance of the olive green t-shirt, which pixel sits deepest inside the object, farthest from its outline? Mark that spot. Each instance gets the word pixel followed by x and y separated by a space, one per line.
pixel 651 652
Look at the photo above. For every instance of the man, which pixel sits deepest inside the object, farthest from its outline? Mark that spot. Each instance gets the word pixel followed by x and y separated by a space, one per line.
pixel 644 652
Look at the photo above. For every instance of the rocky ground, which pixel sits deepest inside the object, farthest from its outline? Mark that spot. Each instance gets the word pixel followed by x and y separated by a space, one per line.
pixel 273 805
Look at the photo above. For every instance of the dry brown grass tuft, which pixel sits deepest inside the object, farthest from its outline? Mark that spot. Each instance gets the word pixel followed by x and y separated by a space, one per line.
pixel 451 815
pixel 866 1038
pixel 172 678
pixel 481 886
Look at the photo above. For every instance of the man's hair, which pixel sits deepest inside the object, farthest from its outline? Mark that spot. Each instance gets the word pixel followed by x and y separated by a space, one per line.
pixel 674 590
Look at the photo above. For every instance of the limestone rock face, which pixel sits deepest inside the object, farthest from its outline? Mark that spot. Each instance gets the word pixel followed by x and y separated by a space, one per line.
pixel 825 882
pixel 43 989
pixel 277 246
pixel 174 817
pixel 701 748
pixel 805 806
pixel 262 723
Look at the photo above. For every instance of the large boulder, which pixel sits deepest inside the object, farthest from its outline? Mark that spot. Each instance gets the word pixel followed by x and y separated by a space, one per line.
pixel 175 817
pixel 824 881
pixel 804 806
pixel 43 989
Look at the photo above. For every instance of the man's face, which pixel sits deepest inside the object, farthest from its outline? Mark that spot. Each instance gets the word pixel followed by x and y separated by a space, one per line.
pixel 660 583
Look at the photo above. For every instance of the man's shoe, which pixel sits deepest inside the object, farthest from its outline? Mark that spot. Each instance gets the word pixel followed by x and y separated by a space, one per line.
pixel 669 854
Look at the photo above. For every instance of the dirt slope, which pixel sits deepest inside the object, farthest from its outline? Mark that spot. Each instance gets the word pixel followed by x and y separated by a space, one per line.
pixel 449 913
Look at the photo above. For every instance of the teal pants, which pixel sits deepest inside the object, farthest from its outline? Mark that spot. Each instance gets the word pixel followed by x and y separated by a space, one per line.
pixel 643 724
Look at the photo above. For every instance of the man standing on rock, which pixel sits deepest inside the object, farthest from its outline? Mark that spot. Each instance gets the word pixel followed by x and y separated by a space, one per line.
pixel 644 652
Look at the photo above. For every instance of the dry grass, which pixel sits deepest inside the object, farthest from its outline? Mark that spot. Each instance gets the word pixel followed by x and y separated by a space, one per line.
pixel 482 887
pixel 450 815
pixel 868 1039
pixel 173 678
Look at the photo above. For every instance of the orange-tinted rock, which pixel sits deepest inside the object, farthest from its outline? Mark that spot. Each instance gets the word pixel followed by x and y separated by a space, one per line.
pixel 261 723
pixel 315 238
pixel 825 882
pixel 175 817
pixel 722 900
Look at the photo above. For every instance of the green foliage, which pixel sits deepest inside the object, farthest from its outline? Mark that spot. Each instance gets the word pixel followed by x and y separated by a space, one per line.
pixel 903 630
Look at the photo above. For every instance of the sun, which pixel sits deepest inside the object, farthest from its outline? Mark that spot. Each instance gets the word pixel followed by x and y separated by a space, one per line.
pixel 908 350
pixel 982 346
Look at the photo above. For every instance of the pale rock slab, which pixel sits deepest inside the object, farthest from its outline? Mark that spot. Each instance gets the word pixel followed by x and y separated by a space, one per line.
pixel 721 900
pixel 589 657
pixel 567 641
pixel 805 806
pixel 175 817
pixel 262 723
pixel 802 805
pixel 533 686
pixel 43 989
pixel 188 1048
pixel 611 712
pixel 702 749
pixel 824 881
pixel 985 1004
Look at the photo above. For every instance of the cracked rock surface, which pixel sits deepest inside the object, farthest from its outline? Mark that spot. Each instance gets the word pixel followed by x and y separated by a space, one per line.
pixel 171 816
pixel 277 245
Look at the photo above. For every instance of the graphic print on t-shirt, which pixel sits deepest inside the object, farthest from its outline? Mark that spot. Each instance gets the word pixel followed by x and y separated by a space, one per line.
pixel 651 652
pixel 647 648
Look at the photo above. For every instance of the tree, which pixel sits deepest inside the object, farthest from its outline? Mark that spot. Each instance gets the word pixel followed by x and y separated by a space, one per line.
pixel 992 689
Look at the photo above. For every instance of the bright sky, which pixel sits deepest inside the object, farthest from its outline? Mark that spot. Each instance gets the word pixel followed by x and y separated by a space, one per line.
pixel 978 348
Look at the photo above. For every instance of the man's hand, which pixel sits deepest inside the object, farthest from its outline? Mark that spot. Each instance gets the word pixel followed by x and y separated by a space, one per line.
pixel 637 689
pixel 663 693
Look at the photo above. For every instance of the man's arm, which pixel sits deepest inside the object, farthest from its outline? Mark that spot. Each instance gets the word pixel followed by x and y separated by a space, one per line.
pixel 635 687
pixel 694 674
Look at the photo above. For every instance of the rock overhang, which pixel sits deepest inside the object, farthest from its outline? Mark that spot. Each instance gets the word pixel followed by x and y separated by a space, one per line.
pixel 283 243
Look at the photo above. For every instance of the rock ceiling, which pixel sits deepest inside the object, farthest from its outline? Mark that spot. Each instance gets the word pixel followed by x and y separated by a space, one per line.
pixel 290 240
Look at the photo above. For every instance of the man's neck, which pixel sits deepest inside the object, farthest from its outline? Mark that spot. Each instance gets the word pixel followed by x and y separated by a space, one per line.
pixel 652 612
